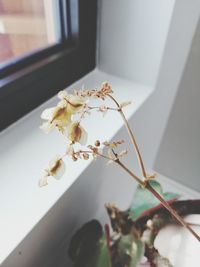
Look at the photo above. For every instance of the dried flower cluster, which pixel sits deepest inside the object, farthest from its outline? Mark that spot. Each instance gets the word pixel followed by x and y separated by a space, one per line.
pixel 63 117
pixel 102 93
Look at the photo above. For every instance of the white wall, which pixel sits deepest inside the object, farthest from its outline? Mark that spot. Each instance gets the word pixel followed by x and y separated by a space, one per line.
pixel 132 37
pixel 180 146
pixel 149 42
pixel 150 121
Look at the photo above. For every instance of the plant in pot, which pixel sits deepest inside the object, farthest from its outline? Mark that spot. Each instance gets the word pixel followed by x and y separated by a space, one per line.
pixel 129 239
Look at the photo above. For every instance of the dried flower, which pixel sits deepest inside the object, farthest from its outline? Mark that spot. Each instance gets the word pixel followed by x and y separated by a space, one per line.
pixel 56 169
pixel 113 144
pixel 56 117
pixel 43 181
pixel 95 151
pixel 86 156
pixel 102 93
pixel 97 143
pixel 74 103
pixel 76 133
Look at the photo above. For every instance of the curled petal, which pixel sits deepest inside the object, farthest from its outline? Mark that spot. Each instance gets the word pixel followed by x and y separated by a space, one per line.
pixel 84 137
pixel 57 168
pixel 70 150
pixel 62 104
pixel 62 94
pixel 76 104
pixel 56 117
pixel 76 133
pixel 43 180
pixel 61 114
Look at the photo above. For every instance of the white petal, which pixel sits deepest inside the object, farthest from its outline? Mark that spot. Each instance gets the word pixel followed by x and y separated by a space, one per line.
pixel 62 94
pixel 47 114
pixel 43 181
pixel 84 137
pixel 70 150
pixel 74 99
pixel 53 161
pixel 60 171
pixel 62 104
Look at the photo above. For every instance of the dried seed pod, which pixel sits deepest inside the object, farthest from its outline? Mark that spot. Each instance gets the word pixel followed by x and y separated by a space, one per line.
pixel 86 156
pixel 74 157
pixel 97 143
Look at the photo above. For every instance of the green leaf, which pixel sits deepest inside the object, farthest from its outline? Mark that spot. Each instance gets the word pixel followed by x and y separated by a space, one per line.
pixel 144 200
pixel 130 251
pixel 88 246
pixel 102 257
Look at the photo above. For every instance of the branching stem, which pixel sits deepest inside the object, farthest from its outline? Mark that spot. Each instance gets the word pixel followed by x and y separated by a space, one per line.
pixel 131 136
pixel 146 183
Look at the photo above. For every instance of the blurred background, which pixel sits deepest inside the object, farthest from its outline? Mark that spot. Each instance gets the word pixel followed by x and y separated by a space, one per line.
pixel 26 26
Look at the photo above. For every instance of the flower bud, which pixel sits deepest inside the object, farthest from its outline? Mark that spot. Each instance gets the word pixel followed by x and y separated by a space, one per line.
pixel 97 143
pixel 86 156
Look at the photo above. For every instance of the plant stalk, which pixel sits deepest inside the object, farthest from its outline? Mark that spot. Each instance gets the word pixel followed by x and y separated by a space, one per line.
pixel 131 137
pixel 159 197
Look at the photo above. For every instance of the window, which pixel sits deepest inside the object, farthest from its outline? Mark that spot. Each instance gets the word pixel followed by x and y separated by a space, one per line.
pixel 45 45
pixel 27 26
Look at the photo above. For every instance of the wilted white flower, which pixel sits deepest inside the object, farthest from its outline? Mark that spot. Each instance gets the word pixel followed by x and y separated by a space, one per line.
pixel 75 103
pixel 76 133
pixel 56 169
pixel 56 117
pixel 43 181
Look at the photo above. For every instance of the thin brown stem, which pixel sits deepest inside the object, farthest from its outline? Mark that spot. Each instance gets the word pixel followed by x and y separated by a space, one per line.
pixel 131 137
pixel 160 198
pixel 130 172
pixel 108 108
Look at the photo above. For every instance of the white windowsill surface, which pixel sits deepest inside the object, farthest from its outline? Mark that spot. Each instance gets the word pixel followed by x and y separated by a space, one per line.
pixel 25 151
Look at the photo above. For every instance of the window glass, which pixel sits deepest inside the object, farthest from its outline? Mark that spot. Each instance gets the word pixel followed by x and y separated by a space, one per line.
pixel 27 26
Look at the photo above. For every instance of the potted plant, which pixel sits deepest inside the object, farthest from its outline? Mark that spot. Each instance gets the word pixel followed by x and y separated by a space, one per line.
pixel 131 233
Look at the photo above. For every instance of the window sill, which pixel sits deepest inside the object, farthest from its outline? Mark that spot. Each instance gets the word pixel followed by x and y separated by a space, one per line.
pixel 25 150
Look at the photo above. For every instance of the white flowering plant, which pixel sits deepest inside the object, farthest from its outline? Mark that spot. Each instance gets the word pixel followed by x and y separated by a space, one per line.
pixel 134 230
